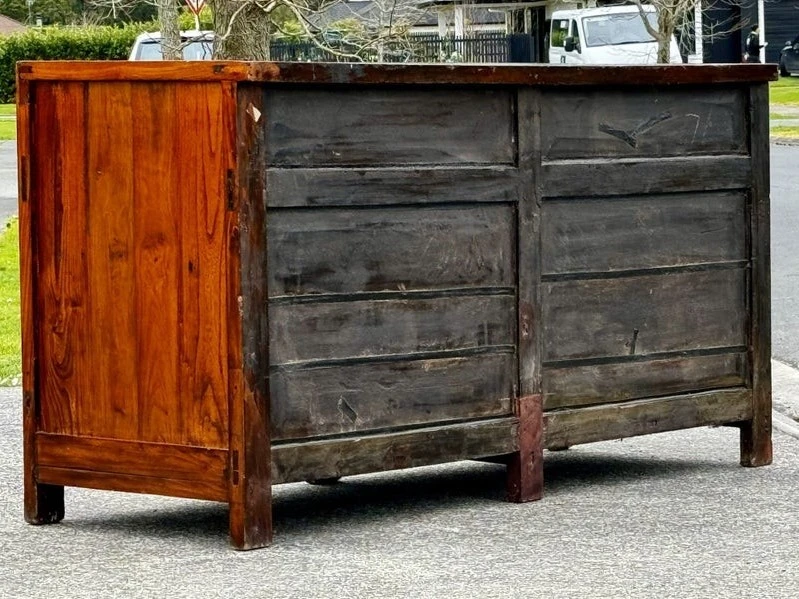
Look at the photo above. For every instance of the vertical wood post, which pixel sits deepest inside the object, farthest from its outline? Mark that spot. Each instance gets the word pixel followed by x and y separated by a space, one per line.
pixel 525 468
pixel 44 504
pixel 756 434
pixel 250 443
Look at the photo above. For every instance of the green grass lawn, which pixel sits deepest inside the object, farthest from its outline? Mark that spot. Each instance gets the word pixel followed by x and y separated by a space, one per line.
pixel 785 91
pixel 8 109
pixel 10 364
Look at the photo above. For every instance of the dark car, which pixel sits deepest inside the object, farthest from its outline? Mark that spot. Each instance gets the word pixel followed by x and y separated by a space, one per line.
pixel 789 57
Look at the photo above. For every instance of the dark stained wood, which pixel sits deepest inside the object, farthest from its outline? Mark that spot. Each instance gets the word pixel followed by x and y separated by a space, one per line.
pixel 756 447
pixel 58 200
pixel 642 315
pixel 612 234
pixel 333 458
pixel 391 249
pixel 609 123
pixel 566 428
pixel 154 460
pixel 251 475
pixel 362 329
pixel 389 74
pixel 397 126
pixel 625 380
pixel 598 177
pixel 111 409
pixel 526 467
pixel 309 187
pixel 112 481
pixel 359 397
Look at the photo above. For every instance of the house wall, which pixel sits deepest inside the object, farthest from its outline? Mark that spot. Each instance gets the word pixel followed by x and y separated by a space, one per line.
pixel 782 24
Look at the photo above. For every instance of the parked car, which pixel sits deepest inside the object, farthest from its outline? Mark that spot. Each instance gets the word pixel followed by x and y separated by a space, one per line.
pixel 789 57
pixel 197 45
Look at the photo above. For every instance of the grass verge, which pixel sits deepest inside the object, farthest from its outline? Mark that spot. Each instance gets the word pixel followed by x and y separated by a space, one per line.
pixel 785 132
pixel 8 109
pixel 10 349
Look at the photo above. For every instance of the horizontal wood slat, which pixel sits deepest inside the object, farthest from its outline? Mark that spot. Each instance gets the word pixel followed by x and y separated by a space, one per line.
pixel 113 481
pixel 622 381
pixel 644 314
pixel 324 401
pixel 154 460
pixel 383 127
pixel 617 421
pixel 612 234
pixel 304 187
pixel 608 123
pixel 407 449
pixel 391 249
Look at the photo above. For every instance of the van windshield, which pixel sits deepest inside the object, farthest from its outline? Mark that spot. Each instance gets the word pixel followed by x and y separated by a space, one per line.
pixel 623 28
pixel 195 50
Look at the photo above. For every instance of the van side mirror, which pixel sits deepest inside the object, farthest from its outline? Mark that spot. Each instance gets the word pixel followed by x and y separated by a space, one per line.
pixel 570 45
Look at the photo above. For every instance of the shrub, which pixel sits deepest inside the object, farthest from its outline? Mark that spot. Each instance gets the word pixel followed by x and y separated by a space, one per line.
pixel 64 43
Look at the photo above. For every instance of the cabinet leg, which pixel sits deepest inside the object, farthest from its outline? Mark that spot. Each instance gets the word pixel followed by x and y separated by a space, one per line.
pixel 526 467
pixel 44 504
pixel 756 442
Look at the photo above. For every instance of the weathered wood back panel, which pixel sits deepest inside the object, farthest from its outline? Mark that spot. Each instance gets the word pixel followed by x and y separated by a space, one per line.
pixel 400 311
pixel 131 255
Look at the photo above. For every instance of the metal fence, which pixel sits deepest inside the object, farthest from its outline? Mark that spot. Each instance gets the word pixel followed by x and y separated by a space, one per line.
pixel 487 47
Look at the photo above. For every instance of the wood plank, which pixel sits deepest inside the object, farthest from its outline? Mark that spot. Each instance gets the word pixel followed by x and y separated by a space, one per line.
pixel 305 187
pixel 132 484
pixel 756 447
pixel 202 174
pixel 526 467
pixel 391 249
pixel 397 126
pixel 59 203
pixel 335 458
pixel 643 315
pixel 157 242
pixel 360 397
pixel 155 460
pixel 610 123
pixel 611 234
pixel 622 381
pixel 585 178
pixel 362 329
pixel 111 409
pixel 618 421
pixel 391 74
pixel 248 333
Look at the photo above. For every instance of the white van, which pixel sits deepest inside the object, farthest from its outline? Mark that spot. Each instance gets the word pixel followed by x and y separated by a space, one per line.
pixel 197 45
pixel 612 35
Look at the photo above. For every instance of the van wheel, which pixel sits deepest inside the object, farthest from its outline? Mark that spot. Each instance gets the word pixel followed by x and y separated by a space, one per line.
pixel 783 71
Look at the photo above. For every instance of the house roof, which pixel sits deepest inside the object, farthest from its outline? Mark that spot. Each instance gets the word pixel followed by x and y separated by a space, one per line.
pixel 9 25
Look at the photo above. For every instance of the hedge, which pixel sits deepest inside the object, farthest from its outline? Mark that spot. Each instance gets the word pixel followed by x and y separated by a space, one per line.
pixel 64 43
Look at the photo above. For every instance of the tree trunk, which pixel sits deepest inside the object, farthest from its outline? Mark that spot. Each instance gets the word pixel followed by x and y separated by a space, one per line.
pixel 170 30
pixel 242 31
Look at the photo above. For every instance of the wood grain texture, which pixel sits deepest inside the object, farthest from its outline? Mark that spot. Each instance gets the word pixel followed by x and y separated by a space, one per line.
pixel 112 481
pixel 363 329
pixel 361 397
pixel 623 381
pixel 391 74
pixel 612 234
pixel 334 458
pixel 153 460
pixel 250 491
pixel 389 127
pixel 526 467
pixel 309 187
pixel 111 409
pixel 756 449
pixel 643 315
pixel 58 200
pixel 604 123
pixel 617 421
pixel 609 177
pixel 391 249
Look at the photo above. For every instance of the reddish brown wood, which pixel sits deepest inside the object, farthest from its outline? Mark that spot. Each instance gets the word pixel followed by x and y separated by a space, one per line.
pixel 154 460
pixel 526 467
pixel 112 481
pixel 248 342
pixel 140 71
